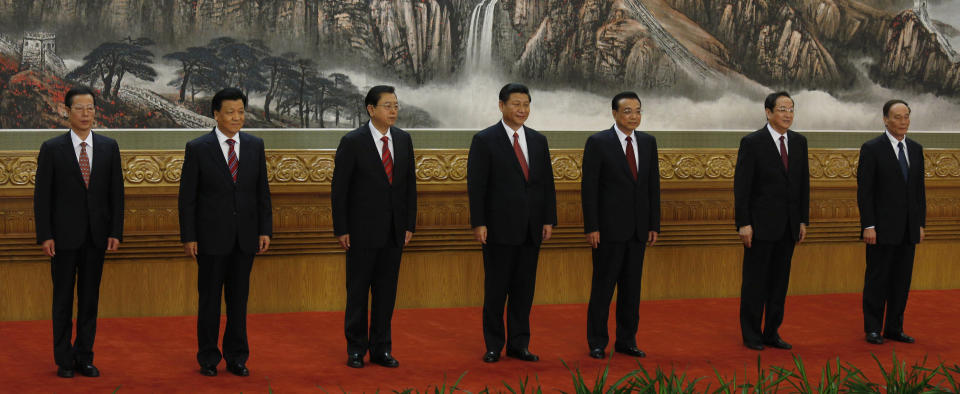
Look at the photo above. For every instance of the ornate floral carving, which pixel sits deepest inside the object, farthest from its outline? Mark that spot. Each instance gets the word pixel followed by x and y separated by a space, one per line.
pixel 942 164
pixel 833 165
pixel 566 165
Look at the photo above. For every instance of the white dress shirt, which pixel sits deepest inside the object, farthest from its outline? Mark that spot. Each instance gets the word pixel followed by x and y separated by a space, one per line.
pixel 76 146
pixel 225 147
pixel 377 140
pixel 776 139
pixel 521 138
pixel 623 144
pixel 896 150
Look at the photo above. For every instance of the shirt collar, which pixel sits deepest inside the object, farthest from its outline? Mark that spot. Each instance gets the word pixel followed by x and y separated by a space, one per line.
pixel 76 139
pixel 893 140
pixel 621 134
pixel 223 137
pixel 776 135
pixel 376 133
pixel 510 131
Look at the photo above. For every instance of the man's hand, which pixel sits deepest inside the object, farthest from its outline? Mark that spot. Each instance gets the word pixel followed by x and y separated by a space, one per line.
pixel 746 235
pixel 594 239
pixel 113 244
pixel 264 244
pixel 923 234
pixel 407 237
pixel 652 238
pixel 803 232
pixel 480 234
pixel 547 231
pixel 48 248
pixel 190 248
pixel 344 241
pixel 870 236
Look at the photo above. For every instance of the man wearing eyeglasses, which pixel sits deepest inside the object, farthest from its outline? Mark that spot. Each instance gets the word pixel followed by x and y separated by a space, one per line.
pixel 78 211
pixel 893 209
pixel 771 189
pixel 374 199
pixel 620 194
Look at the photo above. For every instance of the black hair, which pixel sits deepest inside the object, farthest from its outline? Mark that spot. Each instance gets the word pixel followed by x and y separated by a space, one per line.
pixel 227 94
pixel 374 94
pixel 624 95
pixel 891 103
pixel 512 88
pixel 78 91
pixel 771 100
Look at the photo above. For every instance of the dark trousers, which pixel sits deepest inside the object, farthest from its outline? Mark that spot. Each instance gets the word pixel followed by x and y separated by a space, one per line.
pixel 371 272
pixel 228 275
pixel 763 291
pixel 509 278
pixel 886 283
pixel 620 265
pixel 85 267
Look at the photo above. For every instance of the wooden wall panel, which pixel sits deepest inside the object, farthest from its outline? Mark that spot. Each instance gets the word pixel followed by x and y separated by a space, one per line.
pixel 698 254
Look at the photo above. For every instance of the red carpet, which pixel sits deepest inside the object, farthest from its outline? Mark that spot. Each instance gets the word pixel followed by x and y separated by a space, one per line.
pixel 305 352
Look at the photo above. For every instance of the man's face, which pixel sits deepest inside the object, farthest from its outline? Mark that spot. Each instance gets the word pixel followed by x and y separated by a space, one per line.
pixel 81 113
pixel 628 115
pixel 384 114
pixel 230 117
pixel 781 118
pixel 897 120
pixel 516 109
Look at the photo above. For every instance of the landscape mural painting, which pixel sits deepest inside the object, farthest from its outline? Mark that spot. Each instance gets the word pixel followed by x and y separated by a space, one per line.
pixel 697 64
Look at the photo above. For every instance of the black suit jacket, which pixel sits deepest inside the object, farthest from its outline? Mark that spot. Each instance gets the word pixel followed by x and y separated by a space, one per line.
pixel 615 204
pixel 767 196
pixel 365 204
pixel 217 213
pixel 898 209
pixel 511 207
pixel 64 210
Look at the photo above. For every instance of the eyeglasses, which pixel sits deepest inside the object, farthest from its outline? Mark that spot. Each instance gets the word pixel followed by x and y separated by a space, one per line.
pixel 785 109
pixel 628 111
pixel 392 107
pixel 83 108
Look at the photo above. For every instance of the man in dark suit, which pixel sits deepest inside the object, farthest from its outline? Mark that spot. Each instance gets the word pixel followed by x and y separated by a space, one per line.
pixel 620 192
pixel 78 210
pixel 893 209
pixel 771 189
pixel 374 200
pixel 225 219
pixel 513 208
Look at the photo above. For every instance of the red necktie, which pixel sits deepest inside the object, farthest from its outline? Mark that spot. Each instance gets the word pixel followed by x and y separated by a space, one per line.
pixel 84 165
pixel 783 154
pixel 386 159
pixel 519 152
pixel 232 164
pixel 631 160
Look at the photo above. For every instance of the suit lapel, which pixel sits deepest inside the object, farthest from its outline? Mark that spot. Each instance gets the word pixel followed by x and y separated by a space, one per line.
pixel 506 146
pixel 100 153
pixel 914 152
pixel 248 164
pixel 213 145
pixel 399 153
pixel 794 157
pixel 66 148
pixel 370 147
pixel 891 157
pixel 613 143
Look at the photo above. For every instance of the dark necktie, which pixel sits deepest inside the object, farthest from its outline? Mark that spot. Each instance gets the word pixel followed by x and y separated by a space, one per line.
pixel 85 164
pixel 519 152
pixel 631 160
pixel 387 159
pixel 232 164
pixel 903 161
pixel 783 154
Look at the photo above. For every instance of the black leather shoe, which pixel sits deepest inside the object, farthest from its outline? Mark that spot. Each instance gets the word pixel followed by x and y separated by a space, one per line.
pixel 384 359
pixel 874 338
pixel 753 346
pixel 64 372
pixel 597 353
pixel 631 351
pixel 88 370
pixel 238 369
pixel 779 344
pixel 491 357
pixel 208 371
pixel 355 361
pixel 900 337
pixel 524 355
